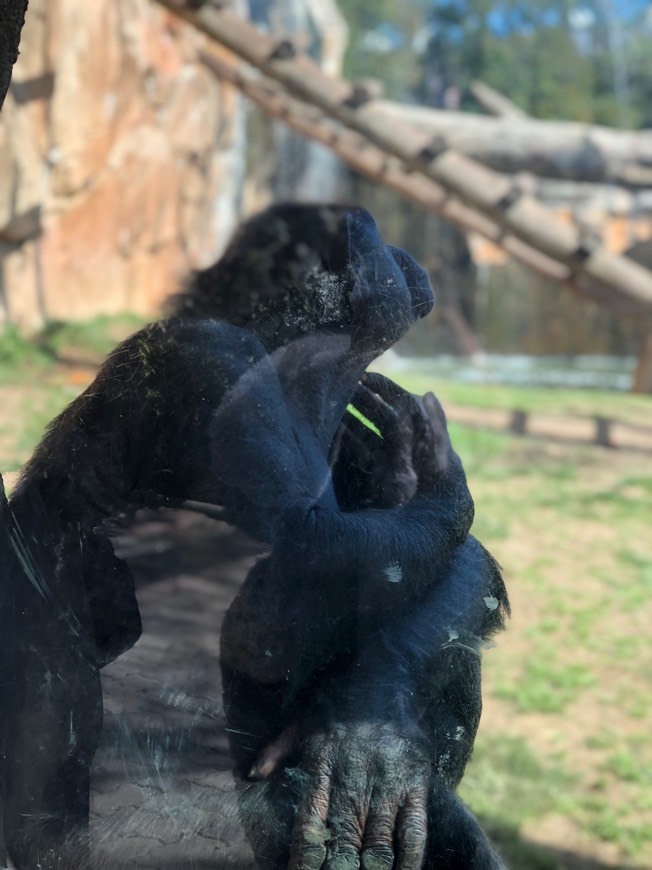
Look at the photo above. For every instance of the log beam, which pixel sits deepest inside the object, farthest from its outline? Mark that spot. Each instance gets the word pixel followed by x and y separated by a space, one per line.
pixel 621 284
pixel 494 102
pixel 551 149
pixel 363 157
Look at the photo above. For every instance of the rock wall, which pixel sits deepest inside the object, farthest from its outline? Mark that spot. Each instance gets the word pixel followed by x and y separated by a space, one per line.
pixel 121 161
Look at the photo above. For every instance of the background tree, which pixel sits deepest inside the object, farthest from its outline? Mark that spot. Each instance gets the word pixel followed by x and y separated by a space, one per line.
pixel 381 43
pixel 583 60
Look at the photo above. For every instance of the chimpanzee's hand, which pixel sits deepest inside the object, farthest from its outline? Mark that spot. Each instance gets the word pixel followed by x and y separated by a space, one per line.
pixel 389 289
pixel 412 454
pixel 364 797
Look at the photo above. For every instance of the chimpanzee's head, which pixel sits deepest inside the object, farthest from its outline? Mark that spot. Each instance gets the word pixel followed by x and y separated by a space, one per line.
pixel 293 268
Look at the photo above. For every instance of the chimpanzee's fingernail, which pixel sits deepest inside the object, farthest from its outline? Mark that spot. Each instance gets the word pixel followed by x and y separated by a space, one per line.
pixel 255 774
pixel 381 858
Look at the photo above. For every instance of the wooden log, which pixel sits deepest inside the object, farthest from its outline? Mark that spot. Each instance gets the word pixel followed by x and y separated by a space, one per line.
pixel 363 157
pixel 625 286
pixel 494 102
pixel 554 149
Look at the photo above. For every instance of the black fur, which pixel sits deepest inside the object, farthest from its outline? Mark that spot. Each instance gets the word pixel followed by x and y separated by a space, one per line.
pixel 351 647
pixel 250 415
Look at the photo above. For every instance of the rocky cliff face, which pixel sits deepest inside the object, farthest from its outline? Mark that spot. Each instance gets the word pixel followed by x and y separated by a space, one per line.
pixel 121 161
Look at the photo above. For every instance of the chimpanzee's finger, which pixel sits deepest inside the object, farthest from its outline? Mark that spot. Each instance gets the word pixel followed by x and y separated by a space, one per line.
pixel 385 387
pixel 393 420
pixel 374 407
pixel 433 453
pixel 412 829
pixel 310 832
pixel 346 819
pixel 434 419
pixel 435 412
pixel 378 842
pixel 358 445
pixel 354 438
pixel 275 753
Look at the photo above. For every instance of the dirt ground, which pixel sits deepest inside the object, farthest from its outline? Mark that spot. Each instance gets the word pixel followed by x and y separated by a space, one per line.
pixel 162 794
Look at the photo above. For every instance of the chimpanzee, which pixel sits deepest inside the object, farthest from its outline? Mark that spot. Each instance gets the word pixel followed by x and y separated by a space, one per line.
pixel 375 733
pixel 411 462
pixel 389 604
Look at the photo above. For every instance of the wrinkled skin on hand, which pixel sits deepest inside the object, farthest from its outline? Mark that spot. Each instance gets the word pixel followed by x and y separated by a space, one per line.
pixel 363 797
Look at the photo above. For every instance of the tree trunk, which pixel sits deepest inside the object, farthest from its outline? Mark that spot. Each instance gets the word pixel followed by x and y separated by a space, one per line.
pixel 12 18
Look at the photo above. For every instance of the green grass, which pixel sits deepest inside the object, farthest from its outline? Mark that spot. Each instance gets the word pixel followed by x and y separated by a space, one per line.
pixel 626 766
pixel 18 353
pixel 95 337
pixel 508 783
pixel 546 685
pixel 507 786
pixel 34 387
pixel 26 358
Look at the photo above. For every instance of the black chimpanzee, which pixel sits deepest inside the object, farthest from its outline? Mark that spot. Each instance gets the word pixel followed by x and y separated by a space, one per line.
pixel 365 694
pixel 400 571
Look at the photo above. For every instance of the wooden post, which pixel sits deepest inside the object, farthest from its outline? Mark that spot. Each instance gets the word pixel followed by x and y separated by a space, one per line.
pixel 602 431
pixel 643 374
pixel 518 423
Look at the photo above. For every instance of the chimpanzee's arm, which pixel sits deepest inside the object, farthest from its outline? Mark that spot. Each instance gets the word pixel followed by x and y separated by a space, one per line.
pixel 198 411
pixel 376 745
pixel 334 577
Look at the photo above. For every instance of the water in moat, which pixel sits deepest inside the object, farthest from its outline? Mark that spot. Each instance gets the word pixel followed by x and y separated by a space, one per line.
pixel 581 372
